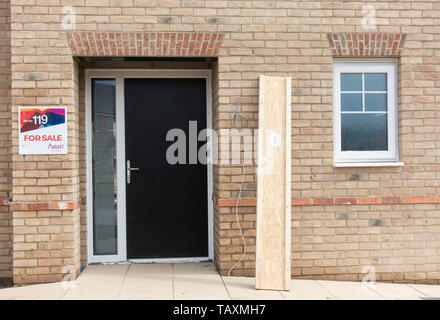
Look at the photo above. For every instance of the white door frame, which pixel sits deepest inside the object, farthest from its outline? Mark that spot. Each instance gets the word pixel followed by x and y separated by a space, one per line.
pixel 119 75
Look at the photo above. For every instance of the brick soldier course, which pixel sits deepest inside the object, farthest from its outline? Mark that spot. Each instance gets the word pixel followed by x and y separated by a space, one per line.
pixel 342 218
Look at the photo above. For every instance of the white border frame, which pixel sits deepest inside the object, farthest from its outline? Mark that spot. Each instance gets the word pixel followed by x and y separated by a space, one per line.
pixel 366 158
pixel 119 75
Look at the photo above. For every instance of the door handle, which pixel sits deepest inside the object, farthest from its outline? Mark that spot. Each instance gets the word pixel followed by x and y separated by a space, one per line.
pixel 129 169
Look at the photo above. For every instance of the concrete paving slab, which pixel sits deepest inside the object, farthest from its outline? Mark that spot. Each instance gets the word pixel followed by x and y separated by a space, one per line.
pixel 148 282
pixel 432 291
pixel 241 288
pixel 397 291
pixel 350 290
pixel 104 272
pixel 6 293
pixel 92 291
pixel 198 281
pixel 306 290
pixel 202 281
pixel 47 291
pixel 98 282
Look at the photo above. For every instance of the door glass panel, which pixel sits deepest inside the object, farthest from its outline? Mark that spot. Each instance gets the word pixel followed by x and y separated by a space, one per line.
pixel 104 167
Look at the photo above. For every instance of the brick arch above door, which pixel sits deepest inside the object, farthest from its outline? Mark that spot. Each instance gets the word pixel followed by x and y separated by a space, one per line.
pixel 144 44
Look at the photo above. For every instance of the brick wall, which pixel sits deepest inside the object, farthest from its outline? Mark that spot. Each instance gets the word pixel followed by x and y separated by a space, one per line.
pixel 45 188
pixel 5 143
pixel 335 242
pixel 285 38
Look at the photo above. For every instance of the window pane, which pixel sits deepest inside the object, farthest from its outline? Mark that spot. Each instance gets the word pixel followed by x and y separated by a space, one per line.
pixel 104 167
pixel 351 101
pixel 364 132
pixel 375 82
pixel 376 102
pixel 351 81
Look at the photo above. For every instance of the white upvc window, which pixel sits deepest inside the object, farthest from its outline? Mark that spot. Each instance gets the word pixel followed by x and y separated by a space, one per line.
pixel 365 114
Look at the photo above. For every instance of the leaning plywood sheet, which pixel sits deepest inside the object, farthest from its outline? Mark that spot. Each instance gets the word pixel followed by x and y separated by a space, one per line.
pixel 273 187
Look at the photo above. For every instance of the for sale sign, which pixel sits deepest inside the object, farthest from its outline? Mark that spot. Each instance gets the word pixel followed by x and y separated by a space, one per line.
pixel 42 130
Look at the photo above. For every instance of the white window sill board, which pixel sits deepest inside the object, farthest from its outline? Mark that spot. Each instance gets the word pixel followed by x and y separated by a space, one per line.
pixel 367 164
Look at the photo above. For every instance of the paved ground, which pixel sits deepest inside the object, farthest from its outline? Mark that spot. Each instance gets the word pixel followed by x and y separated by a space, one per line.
pixel 201 281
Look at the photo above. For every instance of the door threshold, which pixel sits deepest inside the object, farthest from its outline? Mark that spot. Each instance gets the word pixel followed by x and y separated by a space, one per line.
pixel 155 260
pixel 170 260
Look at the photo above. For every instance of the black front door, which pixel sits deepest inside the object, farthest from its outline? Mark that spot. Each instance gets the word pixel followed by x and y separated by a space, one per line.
pixel 167 209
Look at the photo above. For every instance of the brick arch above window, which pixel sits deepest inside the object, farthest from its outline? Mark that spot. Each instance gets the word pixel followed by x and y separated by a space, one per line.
pixel 144 44
pixel 367 44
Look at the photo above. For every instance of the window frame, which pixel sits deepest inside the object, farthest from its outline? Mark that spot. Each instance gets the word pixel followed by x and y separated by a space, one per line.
pixel 365 158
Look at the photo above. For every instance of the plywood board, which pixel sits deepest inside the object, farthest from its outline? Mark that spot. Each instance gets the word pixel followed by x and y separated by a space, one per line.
pixel 273 185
